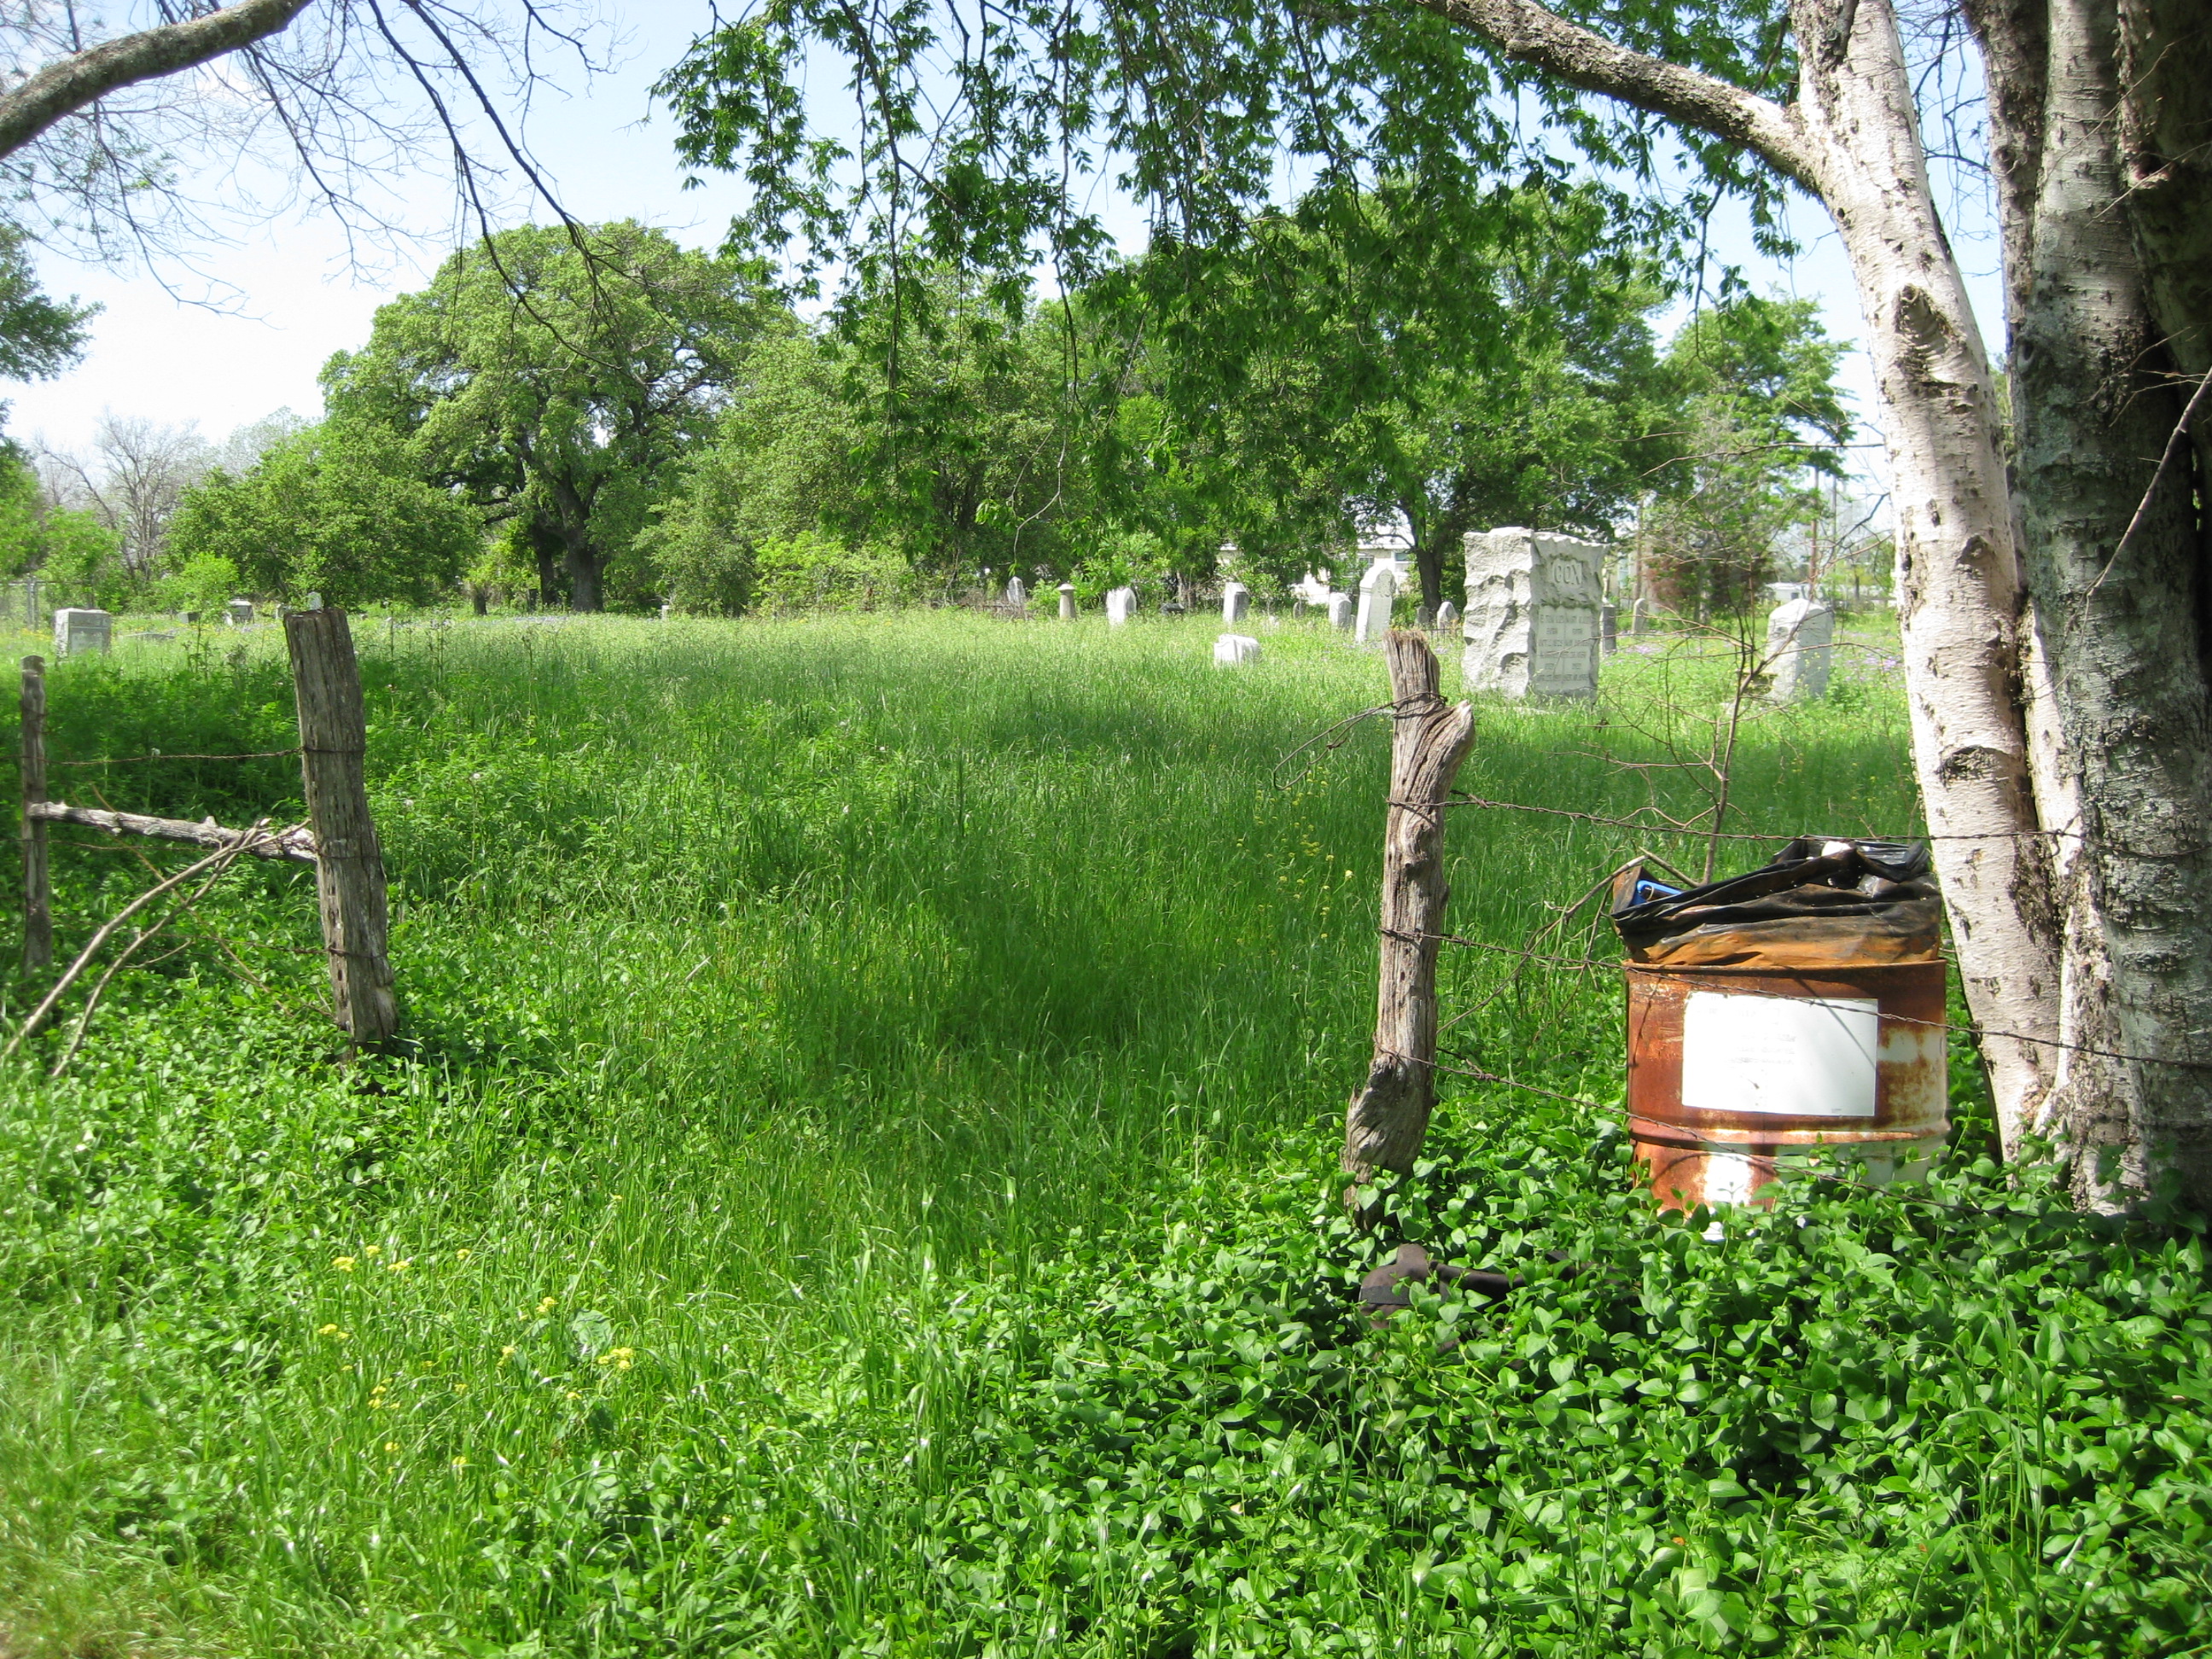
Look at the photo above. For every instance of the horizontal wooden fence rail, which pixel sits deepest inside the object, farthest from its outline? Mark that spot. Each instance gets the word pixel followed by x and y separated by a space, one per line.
pixel 293 846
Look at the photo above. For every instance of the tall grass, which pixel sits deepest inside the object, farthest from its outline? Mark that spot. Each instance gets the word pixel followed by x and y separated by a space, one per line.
pixel 835 1047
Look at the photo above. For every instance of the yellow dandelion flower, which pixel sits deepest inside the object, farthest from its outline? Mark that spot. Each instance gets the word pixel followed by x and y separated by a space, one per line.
pixel 507 1352
pixel 344 1264
pixel 460 1255
pixel 547 1305
pixel 391 1445
pixel 374 1249
pixel 572 1395
pixel 327 1330
pixel 398 1266
pixel 461 1462
pixel 460 1387
pixel 622 1364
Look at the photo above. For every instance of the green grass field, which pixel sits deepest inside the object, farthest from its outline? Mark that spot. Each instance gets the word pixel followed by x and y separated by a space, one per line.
pixel 859 1182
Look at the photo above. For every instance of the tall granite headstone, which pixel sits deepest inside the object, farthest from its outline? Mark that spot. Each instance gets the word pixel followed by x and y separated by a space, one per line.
pixel 1017 593
pixel 79 632
pixel 1378 591
pixel 1532 613
pixel 1800 638
pixel 1236 601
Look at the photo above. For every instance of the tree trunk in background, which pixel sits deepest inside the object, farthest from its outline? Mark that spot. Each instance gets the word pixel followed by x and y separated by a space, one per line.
pixel 581 561
pixel 2114 560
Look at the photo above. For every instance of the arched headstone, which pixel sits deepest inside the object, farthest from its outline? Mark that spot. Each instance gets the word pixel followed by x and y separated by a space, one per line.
pixel 1800 638
pixel 1378 591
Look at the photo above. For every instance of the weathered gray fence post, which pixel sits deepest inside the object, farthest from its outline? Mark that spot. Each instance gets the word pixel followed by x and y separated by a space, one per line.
pixel 1384 1124
pixel 38 893
pixel 348 860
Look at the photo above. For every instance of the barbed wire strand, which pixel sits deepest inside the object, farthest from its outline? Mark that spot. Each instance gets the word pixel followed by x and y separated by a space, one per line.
pixel 1688 970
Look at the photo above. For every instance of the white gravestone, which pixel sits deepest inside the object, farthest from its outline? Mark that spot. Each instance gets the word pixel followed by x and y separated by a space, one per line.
pixel 1236 601
pixel 1339 610
pixel 241 612
pixel 1313 590
pixel 1121 606
pixel 1532 614
pixel 1017 593
pixel 1800 637
pixel 1067 602
pixel 77 632
pixel 1378 589
pixel 1639 618
pixel 1447 616
pixel 1236 647
pixel 1608 628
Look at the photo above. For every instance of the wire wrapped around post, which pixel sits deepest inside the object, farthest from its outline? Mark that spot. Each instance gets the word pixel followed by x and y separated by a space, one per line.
pixel 1389 1114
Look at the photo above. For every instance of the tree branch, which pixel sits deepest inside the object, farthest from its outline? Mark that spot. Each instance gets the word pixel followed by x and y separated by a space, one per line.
pixel 1529 33
pixel 69 84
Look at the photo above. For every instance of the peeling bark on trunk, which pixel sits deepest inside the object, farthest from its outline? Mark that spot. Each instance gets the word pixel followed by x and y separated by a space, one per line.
pixel 1958 559
pixel 2115 560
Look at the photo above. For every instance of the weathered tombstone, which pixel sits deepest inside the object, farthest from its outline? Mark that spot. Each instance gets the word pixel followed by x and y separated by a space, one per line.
pixel 1639 616
pixel 1378 590
pixel 1608 628
pixel 77 632
pixel 241 612
pixel 1017 593
pixel 315 600
pixel 1447 616
pixel 1236 601
pixel 1424 618
pixel 1532 613
pixel 1067 602
pixel 1236 648
pixel 1800 638
pixel 1339 610
pixel 1312 589
pixel 1121 606
pixel 667 611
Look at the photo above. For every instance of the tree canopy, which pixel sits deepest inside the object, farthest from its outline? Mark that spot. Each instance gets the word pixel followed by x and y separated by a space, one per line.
pixel 556 378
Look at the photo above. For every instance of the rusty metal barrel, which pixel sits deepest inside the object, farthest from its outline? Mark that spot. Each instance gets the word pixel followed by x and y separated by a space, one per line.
pixel 1733 1071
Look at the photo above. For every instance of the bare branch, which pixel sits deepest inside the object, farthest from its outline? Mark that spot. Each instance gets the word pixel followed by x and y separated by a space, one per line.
pixel 63 88
pixel 1529 33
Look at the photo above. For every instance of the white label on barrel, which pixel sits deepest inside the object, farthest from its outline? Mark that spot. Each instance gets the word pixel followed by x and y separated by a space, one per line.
pixel 1800 1056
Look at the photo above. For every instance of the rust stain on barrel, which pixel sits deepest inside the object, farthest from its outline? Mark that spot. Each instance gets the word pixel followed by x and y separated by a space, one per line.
pixel 1702 1155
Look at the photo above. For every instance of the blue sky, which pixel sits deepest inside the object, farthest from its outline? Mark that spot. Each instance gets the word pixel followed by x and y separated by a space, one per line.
pixel 298 299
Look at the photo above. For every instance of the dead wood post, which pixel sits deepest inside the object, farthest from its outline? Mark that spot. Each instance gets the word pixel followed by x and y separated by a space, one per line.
pixel 348 860
pixel 1384 1124
pixel 38 891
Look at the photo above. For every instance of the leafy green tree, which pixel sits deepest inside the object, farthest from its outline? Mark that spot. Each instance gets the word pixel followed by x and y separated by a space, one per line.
pixel 335 510
pixel 79 556
pixel 963 449
pixel 1507 377
pixel 1755 421
pixel 40 335
pixel 558 381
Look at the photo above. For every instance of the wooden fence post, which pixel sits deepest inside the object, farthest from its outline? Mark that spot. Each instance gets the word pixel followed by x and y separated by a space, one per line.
pixel 38 892
pixel 1384 1124
pixel 348 860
